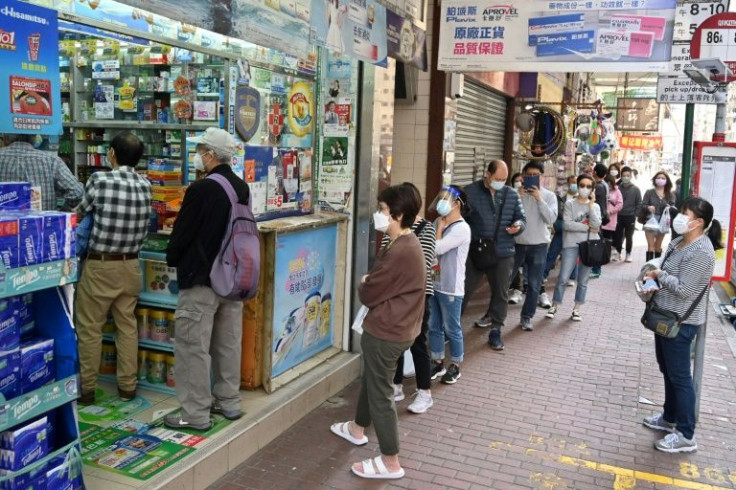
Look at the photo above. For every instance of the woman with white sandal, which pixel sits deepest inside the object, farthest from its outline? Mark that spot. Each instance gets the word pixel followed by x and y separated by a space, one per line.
pixel 394 293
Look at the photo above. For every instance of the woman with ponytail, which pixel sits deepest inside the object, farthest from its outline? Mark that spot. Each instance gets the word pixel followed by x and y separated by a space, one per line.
pixel 684 277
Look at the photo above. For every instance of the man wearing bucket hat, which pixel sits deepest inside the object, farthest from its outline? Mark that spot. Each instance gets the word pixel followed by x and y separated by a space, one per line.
pixel 208 326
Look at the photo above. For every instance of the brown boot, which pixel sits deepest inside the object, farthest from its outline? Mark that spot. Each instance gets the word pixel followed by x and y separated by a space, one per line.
pixel 86 398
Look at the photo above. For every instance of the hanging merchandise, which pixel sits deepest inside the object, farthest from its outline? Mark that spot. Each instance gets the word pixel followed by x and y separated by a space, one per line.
pixel 547 137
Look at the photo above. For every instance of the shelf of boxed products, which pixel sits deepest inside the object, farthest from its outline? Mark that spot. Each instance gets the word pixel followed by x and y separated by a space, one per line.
pixel 59 469
pixel 31 278
pixel 145 343
pixel 37 402
pixel 135 124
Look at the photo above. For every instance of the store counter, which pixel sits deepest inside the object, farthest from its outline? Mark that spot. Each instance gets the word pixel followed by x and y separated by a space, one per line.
pixel 295 322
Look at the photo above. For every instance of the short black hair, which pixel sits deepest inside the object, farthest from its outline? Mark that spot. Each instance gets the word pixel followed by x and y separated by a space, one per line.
pixel 626 168
pixel 128 149
pixel 600 170
pixel 534 165
pixel 402 200
pixel 465 208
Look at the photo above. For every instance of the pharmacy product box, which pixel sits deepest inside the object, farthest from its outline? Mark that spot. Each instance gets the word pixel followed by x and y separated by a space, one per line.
pixel 30 239
pixel 9 253
pixel 24 308
pixel 33 480
pixel 58 236
pixel 24 445
pixel 36 364
pixel 10 373
pixel 62 474
pixel 15 196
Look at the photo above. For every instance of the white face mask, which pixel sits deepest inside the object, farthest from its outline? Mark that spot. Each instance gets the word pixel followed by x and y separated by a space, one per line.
pixel 517 185
pixel 380 221
pixel 681 224
pixel 584 192
pixel 444 207
pixel 614 173
pixel 497 185
pixel 198 163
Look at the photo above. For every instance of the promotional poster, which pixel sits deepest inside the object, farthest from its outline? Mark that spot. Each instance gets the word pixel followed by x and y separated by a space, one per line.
pixel 305 285
pixel 30 94
pixel 406 42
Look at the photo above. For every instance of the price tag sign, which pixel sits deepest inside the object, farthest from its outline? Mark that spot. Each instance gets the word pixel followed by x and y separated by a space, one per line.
pixel 690 14
pixel 716 38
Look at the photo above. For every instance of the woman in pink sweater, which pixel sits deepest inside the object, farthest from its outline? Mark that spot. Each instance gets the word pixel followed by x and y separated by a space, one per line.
pixel 615 204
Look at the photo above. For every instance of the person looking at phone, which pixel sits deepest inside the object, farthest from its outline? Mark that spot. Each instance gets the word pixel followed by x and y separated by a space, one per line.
pixel 581 218
pixel 496 216
pixel 540 206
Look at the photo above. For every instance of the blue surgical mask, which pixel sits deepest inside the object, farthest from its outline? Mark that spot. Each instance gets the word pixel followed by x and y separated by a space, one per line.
pixel 444 207
pixel 574 188
pixel 497 185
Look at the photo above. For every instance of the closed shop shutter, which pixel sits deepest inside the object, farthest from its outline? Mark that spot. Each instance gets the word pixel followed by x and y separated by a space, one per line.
pixel 481 132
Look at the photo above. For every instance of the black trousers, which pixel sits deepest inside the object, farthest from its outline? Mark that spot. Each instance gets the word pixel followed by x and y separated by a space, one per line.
pixel 420 355
pixel 624 229
pixel 498 277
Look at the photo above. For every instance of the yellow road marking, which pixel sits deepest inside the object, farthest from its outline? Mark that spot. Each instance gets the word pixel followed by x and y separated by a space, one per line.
pixel 624 478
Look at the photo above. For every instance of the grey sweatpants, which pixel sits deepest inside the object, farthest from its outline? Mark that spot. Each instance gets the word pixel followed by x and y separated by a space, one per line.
pixel 376 400
pixel 209 330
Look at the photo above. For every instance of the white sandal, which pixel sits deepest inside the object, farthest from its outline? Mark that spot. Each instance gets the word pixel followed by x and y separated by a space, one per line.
pixel 342 429
pixel 371 465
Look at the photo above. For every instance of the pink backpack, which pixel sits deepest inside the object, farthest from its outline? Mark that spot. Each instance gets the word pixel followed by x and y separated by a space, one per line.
pixel 237 267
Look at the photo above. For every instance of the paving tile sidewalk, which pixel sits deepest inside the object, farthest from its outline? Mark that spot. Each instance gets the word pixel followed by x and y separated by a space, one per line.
pixel 561 407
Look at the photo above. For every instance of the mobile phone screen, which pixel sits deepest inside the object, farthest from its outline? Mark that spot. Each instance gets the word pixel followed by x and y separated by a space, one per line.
pixel 530 182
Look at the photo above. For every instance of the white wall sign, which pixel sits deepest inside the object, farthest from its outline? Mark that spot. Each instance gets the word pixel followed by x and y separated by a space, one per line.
pixel 680 60
pixel 690 14
pixel 682 90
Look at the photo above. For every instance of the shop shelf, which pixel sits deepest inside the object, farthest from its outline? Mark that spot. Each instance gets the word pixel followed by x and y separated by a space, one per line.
pixel 145 385
pixel 135 124
pixel 8 475
pixel 37 402
pixel 37 277
pixel 155 300
pixel 145 343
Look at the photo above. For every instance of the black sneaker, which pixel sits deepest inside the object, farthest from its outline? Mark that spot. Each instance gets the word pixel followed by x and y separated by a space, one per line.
pixel 452 375
pixel 438 369
pixel 495 339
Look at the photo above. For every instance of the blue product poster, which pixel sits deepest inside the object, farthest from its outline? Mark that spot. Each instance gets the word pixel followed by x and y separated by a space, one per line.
pixel 304 288
pixel 29 73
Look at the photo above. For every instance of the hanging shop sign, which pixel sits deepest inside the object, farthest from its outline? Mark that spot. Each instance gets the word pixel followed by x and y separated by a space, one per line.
pixel 639 142
pixel 354 27
pixel 30 92
pixel 247 112
pixel 716 38
pixel 304 273
pixel 690 14
pixel 637 114
pixel 281 25
pixel 406 42
pixel 620 36
pixel 682 90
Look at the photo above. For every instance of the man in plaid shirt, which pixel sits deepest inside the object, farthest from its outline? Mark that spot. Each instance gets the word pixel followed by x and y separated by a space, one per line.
pixel 21 162
pixel 120 202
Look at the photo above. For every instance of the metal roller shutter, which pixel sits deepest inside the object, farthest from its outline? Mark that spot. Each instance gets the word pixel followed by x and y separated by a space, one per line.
pixel 481 132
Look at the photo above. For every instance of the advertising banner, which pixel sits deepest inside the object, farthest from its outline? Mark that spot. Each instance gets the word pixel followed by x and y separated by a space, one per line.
pixel 30 93
pixel 637 114
pixel 406 42
pixel 620 36
pixel 354 27
pixel 277 24
pixel 637 142
pixel 305 284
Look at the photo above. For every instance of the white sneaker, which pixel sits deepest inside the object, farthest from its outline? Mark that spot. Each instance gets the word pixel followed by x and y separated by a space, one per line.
pixel 544 301
pixel 398 393
pixel 515 297
pixel 629 258
pixel 551 312
pixel 571 283
pixel 421 403
pixel 614 256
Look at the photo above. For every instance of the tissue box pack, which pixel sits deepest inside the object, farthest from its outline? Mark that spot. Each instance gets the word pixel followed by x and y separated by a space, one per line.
pixel 63 475
pixel 33 480
pixel 9 253
pixel 24 308
pixel 9 324
pixel 58 236
pixel 10 374
pixel 15 196
pixel 30 239
pixel 36 364
pixel 24 445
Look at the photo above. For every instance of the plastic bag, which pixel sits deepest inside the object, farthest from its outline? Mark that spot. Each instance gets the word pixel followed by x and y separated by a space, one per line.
pixel 664 221
pixel 359 317
pixel 652 225
pixel 409 369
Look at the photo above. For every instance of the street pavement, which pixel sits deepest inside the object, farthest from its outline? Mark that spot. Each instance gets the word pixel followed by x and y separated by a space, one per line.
pixel 560 407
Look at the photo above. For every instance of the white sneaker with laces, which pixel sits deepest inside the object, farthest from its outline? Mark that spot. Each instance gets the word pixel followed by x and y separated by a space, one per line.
pixel 676 443
pixel 544 301
pixel 515 297
pixel 422 402
pixel 398 393
pixel 629 258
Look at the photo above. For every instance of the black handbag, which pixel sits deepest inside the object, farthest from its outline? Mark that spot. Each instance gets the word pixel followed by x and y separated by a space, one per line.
pixel 482 250
pixel 595 253
pixel 663 322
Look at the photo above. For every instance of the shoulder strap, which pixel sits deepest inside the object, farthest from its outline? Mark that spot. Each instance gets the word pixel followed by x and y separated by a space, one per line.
pixel 499 212
pixel 227 187
pixel 420 228
pixel 695 303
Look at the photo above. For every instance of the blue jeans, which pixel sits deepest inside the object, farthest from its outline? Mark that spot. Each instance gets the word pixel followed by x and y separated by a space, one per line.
pixel 444 319
pixel 569 259
pixel 673 357
pixel 533 258
pixel 555 248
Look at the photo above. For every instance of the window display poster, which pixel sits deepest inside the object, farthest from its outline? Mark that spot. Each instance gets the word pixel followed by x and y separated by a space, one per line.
pixel 336 173
pixel 406 42
pixel 621 36
pixel 355 27
pixel 305 282
pixel 337 117
pixel 30 93
pixel 276 180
